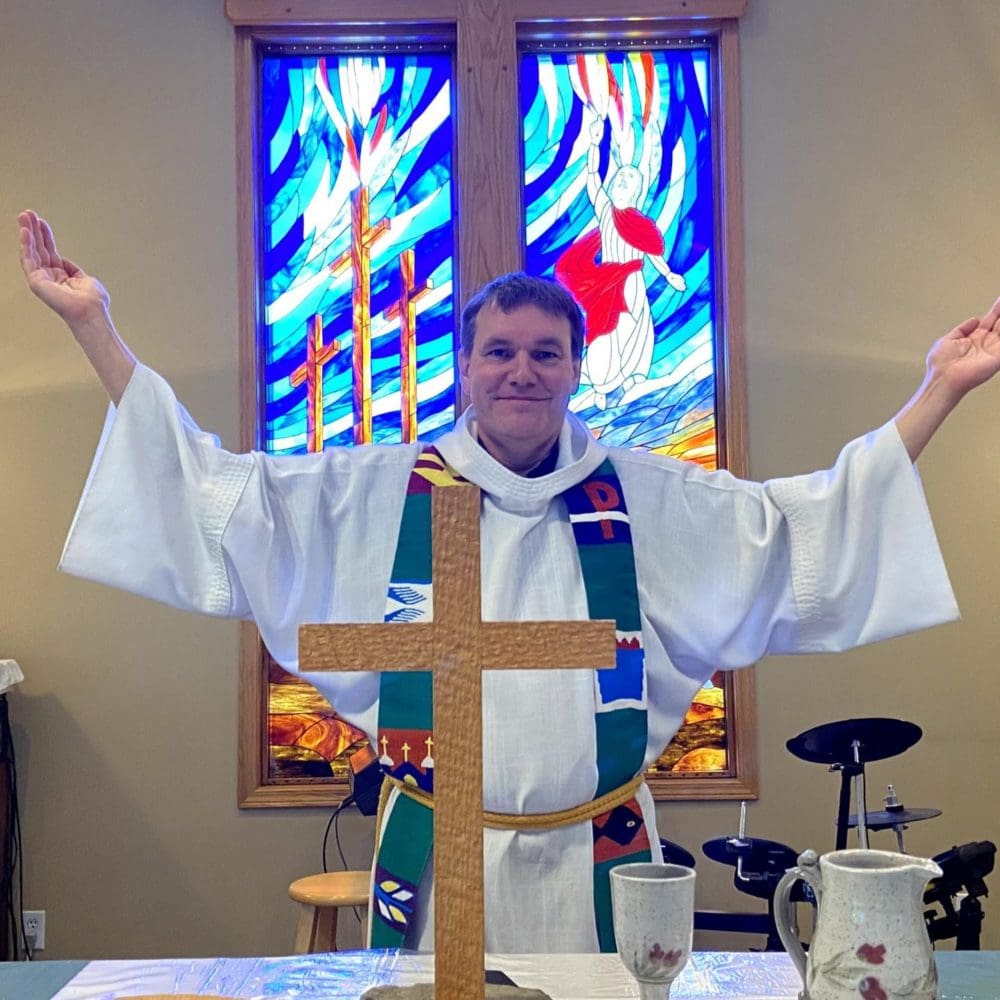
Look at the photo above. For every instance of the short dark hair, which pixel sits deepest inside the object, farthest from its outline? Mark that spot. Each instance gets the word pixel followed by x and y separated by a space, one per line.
pixel 510 292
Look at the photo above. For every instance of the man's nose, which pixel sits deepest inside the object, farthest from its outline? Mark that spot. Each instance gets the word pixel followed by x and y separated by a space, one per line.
pixel 522 369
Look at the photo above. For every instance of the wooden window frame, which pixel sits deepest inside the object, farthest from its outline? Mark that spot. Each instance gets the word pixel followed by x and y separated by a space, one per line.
pixel 487 35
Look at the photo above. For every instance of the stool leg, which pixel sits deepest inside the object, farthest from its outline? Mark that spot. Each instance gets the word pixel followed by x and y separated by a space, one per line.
pixel 304 930
pixel 325 938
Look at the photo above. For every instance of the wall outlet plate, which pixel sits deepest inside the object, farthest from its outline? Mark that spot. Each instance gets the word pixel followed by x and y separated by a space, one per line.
pixel 34 928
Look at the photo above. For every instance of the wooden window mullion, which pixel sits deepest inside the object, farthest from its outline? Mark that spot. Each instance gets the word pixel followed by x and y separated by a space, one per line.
pixel 489 176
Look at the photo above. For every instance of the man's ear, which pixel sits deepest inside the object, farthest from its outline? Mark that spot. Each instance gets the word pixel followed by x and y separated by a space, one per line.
pixel 463 370
pixel 576 375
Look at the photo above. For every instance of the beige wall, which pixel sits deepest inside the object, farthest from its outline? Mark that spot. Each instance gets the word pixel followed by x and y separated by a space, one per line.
pixel 871 150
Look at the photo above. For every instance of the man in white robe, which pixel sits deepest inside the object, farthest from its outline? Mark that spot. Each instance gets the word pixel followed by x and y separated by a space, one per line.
pixel 727 571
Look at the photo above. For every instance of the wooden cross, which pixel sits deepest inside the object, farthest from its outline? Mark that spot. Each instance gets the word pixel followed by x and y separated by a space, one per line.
pixel 358 258
pixel 311 372
pixel 457 646
pixel 406 309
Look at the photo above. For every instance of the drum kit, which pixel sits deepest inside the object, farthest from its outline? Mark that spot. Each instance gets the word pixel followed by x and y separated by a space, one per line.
pixel 845 747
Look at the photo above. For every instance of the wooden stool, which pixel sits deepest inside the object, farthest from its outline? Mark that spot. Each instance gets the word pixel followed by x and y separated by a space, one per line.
pixel 320 897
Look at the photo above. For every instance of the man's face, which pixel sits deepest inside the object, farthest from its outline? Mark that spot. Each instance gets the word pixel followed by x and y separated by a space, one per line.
pixel 519 375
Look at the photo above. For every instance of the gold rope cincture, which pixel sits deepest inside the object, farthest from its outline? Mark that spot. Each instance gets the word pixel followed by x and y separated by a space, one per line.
pixel 520 821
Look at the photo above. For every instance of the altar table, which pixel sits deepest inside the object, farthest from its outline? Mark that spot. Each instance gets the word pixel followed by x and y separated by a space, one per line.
pixel 965 975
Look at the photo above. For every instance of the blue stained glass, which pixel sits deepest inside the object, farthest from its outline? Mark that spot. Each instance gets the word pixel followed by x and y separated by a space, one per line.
pixel 331 127
pixel 619 207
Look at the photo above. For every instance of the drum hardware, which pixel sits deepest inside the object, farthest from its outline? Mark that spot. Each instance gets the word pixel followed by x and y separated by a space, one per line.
pixel 964 870
pixel 674 854
pixel 759 865
pixel 895 817
pixel 855 771
pixel 846 747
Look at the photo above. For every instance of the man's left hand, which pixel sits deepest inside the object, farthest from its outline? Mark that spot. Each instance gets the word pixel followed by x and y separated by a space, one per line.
pixel 969 355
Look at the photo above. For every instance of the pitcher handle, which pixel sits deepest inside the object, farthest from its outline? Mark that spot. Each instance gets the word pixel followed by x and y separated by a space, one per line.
pixel 784 919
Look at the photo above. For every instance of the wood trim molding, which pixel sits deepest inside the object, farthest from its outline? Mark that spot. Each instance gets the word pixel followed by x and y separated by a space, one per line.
pixel 731 341
pixel 601 10
pixel 245 13
pixel 247 228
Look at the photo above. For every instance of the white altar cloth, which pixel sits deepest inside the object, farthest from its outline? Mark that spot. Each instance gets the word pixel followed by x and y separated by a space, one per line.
pixel 346 975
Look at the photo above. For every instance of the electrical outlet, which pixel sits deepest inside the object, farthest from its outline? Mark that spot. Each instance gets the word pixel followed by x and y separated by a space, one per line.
pixel 34 928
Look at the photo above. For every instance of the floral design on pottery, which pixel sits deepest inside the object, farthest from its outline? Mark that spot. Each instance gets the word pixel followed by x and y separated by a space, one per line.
pixel 871 989
pixel 873 953
pixel 667 959
pixel 844 971
pixel 659 964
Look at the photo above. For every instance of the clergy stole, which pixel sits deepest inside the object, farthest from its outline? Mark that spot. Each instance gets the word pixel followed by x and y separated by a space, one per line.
pixel 600 523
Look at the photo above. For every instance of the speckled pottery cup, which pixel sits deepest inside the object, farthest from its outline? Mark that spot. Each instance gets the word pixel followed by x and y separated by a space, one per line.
pixel 653 906
pixel 870 940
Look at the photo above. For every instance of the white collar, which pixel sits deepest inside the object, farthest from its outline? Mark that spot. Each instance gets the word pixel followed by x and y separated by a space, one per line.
pixel 579 455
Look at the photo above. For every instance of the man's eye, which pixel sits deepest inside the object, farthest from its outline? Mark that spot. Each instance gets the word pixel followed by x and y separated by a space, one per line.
pixel 498 352
pixel 546 355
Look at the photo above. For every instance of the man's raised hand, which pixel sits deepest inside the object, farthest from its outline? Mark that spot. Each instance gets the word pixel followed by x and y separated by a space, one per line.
pixel 966 357
pixel 57 281
pixel 969 355
pixel 79 300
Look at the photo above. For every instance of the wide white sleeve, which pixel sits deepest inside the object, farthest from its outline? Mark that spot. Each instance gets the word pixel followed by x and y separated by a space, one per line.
pixel 730 571
pixel 865 559
pixel 156 502
pixel 168 514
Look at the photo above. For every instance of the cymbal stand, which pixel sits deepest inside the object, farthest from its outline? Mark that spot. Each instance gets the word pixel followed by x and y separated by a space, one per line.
pixel 739 844
pixel 859 788
pixel 852 770
pixel 892 804
pixel 749 854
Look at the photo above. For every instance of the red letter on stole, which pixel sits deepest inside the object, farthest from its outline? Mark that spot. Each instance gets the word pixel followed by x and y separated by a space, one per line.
pixel 604 497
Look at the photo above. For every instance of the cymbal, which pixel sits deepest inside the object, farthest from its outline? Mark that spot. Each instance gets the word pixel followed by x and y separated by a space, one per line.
pixel 888 818
pixel 831 742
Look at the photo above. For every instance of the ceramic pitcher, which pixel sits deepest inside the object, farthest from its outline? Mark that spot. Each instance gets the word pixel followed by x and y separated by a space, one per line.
pixel 870 941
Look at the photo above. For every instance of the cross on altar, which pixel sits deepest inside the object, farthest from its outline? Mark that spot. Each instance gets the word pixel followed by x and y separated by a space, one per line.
pixel 358 258
pixel 311 372
pixel 406 310
pixel 457 646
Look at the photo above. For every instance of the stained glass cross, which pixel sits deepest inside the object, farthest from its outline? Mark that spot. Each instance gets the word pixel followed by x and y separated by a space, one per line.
pixel 311 372
pixel 406 310
pixel 457 646
pixel 358 258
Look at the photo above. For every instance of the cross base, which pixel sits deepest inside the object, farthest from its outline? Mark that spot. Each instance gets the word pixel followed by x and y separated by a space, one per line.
pixel 425 991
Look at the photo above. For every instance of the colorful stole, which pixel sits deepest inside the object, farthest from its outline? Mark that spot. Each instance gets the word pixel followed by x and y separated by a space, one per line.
pixel 600 523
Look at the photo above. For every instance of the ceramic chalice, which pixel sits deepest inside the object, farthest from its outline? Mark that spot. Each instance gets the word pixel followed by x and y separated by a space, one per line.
pixel 653 906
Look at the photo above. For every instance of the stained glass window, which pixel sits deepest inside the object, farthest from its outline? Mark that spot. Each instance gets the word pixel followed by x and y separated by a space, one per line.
pixel 619 207
pixel 352 248
pixel 618 197
pixel 358 255
pixel 356 341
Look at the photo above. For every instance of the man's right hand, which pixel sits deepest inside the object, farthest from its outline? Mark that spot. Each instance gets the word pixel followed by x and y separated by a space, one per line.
pixel 81 301
pixel 57 281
